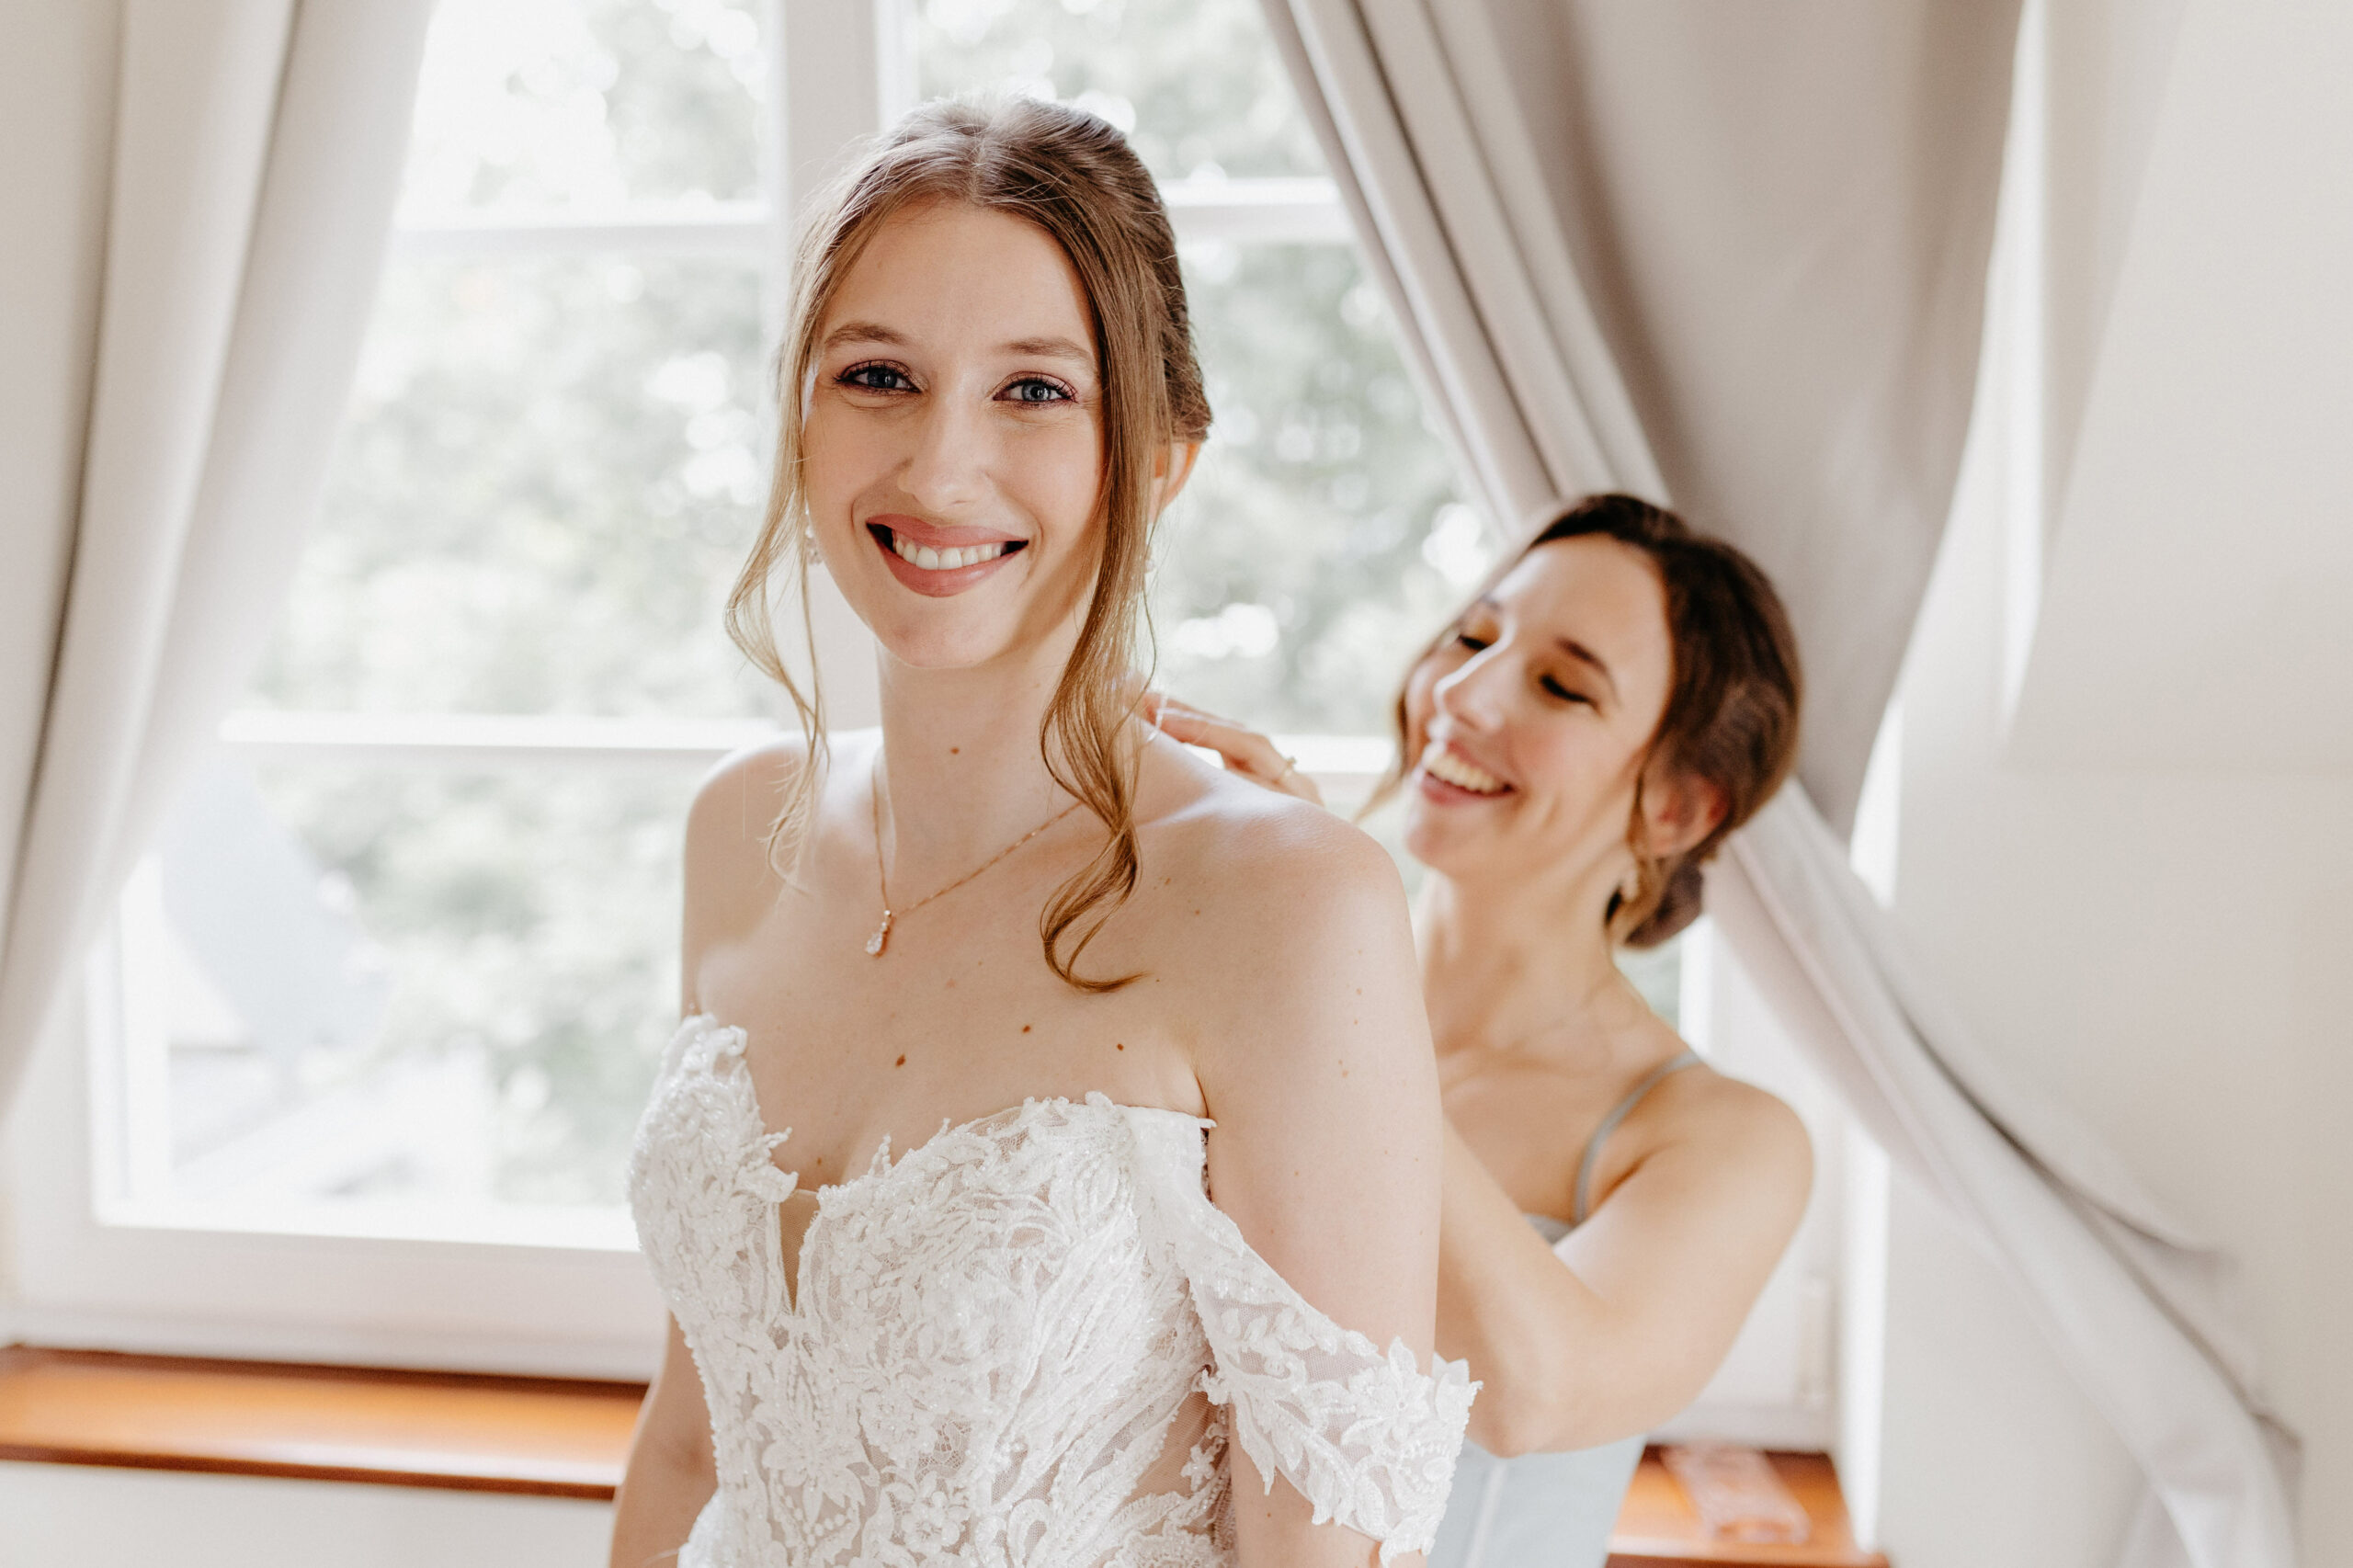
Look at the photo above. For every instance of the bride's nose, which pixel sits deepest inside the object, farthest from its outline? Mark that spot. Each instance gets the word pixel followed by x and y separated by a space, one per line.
pixel 947 468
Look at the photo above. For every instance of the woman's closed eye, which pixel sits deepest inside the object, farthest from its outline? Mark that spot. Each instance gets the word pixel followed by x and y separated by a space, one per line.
pixel 1562 693
pixel 1476 644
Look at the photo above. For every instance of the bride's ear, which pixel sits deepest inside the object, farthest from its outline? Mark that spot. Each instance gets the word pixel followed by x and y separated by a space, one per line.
pixel 1171 467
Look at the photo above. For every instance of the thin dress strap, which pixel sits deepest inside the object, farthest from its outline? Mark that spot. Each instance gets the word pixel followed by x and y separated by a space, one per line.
pixel 1610 1125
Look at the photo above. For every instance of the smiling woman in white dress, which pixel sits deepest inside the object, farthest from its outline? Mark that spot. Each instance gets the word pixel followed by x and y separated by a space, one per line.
pixel 1619 699
pixel 983 1008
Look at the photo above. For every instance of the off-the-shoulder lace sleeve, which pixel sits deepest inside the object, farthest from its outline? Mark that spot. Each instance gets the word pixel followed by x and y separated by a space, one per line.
pixel 1368 1439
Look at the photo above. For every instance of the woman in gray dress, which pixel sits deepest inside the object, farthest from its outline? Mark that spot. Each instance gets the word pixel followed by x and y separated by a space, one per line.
pixel 1618 699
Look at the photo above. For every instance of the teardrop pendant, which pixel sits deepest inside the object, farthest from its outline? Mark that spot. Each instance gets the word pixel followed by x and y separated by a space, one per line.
pixel 882 937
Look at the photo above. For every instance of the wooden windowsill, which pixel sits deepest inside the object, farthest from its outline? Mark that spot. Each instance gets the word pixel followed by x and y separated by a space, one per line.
pixel 554 1437
pixel 1657 1527
pixel 559 1437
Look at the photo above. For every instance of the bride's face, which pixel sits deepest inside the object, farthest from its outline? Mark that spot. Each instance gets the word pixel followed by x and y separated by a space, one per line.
pixel 954 443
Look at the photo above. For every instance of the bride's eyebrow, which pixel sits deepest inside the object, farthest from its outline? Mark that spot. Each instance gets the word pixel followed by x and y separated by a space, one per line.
pixel 865 332
pixel 1051 348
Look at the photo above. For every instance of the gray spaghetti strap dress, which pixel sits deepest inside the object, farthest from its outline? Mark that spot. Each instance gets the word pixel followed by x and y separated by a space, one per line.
pixel 1545 1510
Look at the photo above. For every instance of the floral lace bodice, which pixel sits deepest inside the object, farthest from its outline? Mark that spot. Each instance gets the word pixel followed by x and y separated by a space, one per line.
pixel 1025 1344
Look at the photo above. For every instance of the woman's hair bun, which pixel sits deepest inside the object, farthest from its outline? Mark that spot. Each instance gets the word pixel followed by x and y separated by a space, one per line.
pixel 1677 906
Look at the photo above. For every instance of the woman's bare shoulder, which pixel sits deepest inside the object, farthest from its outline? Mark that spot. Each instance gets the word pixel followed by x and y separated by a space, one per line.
pixel 738 801
pixel 1729 1122
pixel 732 872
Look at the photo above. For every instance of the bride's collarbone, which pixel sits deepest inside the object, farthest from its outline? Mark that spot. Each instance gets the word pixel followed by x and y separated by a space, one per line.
pixel 847 1054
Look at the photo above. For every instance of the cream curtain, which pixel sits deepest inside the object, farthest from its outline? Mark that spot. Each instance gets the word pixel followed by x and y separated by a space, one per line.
pixel 1736 257
pixel 224 170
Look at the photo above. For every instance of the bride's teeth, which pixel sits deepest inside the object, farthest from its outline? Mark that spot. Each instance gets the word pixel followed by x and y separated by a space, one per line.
pixel 924 557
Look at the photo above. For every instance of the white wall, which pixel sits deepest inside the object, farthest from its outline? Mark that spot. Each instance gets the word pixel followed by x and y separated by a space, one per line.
pixel 56 1514
pixel 2149 917
pixel 2172 955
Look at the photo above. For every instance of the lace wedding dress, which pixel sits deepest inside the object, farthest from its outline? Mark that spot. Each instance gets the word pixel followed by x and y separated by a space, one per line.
pixel 1026 1344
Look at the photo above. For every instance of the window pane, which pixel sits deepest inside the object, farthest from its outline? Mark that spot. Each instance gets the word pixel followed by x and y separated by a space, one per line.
pixel 550 473
pixel 1196 83
pixel 566 103
pixel 1321 540
pixel 412 986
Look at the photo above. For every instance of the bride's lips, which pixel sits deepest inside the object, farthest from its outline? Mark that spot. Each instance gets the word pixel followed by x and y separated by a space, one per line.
pixel 958 558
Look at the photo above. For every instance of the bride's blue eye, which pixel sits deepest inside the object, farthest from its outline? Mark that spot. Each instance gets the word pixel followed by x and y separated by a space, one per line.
pixel 1037 389
pixel 875 377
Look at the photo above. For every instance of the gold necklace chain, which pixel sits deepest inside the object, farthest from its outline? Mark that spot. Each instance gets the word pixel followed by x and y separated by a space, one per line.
pixel 882 937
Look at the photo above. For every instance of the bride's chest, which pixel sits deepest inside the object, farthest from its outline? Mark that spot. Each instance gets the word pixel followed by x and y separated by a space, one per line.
pixel 851 1053
pixel 1022 1239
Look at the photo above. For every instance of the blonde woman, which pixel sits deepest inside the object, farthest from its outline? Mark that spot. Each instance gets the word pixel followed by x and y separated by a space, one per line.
pixel 1620 697
pixel 983 1008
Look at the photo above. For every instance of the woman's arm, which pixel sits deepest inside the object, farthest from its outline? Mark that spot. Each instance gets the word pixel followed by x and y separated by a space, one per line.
pixel 670 1472
pixel 1317 1070
pixel 1657 1283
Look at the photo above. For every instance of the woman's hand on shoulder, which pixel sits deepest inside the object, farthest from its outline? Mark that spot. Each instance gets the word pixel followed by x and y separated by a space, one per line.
pixel 1245 753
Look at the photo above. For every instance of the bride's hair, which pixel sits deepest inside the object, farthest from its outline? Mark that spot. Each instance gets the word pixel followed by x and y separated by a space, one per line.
pixel 1075 177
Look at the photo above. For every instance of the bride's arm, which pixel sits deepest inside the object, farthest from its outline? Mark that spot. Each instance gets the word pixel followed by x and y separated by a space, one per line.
pixel 670 1473
pixel 1327 1149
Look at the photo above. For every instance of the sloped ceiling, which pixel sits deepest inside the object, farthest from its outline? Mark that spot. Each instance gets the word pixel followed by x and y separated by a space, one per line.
pixel 2195 597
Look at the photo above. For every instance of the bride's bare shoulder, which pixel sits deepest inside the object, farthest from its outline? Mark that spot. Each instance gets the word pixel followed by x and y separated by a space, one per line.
pixel 1255 878
pixel 731 870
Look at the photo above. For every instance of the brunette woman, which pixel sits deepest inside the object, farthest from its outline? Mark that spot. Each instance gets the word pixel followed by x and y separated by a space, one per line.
pixel 1620 697
pixel 982 1007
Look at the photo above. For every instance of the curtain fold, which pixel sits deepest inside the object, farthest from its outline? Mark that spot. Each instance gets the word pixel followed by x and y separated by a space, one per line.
pixel 257 146
pixel 1740 254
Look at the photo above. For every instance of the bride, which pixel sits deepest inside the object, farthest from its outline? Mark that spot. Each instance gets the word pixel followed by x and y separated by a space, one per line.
pixel 984 1008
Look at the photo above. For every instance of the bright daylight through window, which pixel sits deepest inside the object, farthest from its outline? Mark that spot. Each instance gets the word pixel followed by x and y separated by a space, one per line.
pixel 406 947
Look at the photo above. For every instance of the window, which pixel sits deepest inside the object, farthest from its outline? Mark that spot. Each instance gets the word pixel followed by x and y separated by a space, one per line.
pixel 381 1007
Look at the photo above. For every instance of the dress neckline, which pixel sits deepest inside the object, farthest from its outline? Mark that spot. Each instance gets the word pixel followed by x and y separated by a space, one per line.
pixel 706 1026
pixel 879 1168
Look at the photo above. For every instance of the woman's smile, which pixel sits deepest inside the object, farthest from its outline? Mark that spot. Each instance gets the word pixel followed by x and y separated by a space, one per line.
pixel 939 561
pixel 1448 777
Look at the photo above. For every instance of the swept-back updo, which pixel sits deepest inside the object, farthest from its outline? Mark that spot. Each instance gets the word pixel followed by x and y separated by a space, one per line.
pixel 1730 719
pixel 1075 177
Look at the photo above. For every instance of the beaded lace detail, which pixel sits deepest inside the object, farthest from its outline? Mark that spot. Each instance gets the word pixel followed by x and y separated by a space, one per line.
pixel 1003 1343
